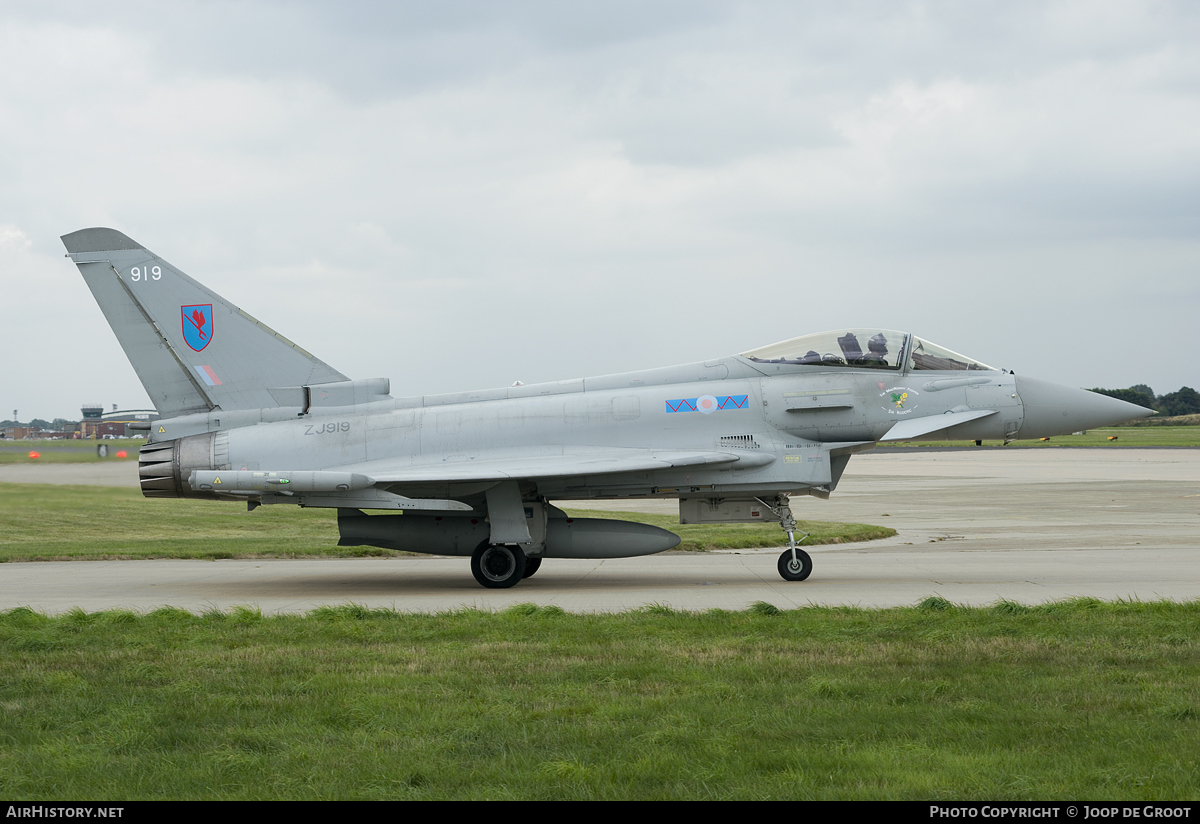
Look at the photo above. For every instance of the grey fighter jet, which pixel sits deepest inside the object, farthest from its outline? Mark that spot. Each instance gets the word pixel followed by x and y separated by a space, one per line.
pixel 249 416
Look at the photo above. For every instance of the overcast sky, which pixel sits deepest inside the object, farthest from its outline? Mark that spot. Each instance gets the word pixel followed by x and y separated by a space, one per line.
pixel 460 195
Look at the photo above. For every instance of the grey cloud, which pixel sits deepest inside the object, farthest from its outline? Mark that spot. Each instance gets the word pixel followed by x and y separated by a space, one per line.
pixel 576 189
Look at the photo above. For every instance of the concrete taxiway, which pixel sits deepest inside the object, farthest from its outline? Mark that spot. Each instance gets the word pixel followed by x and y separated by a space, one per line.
pixel 974 527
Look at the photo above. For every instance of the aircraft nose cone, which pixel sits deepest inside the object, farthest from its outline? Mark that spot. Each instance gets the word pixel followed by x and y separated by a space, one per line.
pixel 1053 409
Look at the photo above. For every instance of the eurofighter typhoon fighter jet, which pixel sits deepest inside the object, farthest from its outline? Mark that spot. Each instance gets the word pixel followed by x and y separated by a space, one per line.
pixel 249 416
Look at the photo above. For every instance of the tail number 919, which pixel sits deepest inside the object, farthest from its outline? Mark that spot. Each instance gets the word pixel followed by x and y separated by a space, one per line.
pixel 327 428
pixel 145 272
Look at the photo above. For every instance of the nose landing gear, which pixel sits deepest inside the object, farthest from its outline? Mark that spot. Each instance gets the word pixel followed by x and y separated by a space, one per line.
pixel 794 564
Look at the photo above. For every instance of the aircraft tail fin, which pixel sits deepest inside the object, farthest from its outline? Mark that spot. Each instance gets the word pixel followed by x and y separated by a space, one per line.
pixel 192 349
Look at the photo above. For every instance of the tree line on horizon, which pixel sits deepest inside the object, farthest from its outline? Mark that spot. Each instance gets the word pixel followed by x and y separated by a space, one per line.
pixel 56 425
pixel 1186 401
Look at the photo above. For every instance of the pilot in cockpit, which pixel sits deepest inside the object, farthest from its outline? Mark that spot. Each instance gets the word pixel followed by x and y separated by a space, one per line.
pixel 876 350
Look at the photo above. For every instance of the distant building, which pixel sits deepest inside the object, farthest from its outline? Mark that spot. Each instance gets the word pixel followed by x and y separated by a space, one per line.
pixel 97 423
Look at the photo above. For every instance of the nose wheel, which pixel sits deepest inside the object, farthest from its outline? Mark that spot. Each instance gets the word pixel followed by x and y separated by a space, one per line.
pixel 795 567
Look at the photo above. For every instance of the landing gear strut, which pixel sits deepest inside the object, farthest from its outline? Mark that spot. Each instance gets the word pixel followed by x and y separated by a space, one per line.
pixel 794 564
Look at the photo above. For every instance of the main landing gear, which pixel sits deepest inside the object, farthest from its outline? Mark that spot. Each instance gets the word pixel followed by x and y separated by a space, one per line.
pixel 794 564
pixel 499 566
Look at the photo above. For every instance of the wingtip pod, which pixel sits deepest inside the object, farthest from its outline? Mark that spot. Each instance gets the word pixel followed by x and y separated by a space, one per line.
pixel 98 239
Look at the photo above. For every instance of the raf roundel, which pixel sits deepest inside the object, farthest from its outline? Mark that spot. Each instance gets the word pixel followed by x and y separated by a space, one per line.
pixel 707 404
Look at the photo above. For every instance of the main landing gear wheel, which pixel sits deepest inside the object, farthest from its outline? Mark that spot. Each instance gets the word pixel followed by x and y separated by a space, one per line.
pixel 531 566
pixel 797 569
pixel 497 566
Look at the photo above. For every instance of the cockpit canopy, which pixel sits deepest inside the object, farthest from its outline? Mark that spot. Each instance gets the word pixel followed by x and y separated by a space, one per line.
pixel 864 349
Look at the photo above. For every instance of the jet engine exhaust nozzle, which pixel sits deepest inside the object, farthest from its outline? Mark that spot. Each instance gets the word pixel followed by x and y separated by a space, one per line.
pixel 164 467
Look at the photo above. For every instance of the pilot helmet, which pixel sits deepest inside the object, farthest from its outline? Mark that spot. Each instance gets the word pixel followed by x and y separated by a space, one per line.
pixel 878 344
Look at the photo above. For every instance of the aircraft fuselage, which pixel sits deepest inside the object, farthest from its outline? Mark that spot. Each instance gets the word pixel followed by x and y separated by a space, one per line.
pixel 788 429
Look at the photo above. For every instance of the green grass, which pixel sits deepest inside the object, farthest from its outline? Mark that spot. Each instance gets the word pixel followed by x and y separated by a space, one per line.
pixel 1176 420
pixel 1126 436
pixel 47 521
pixel 1063 701
pixel 64 451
